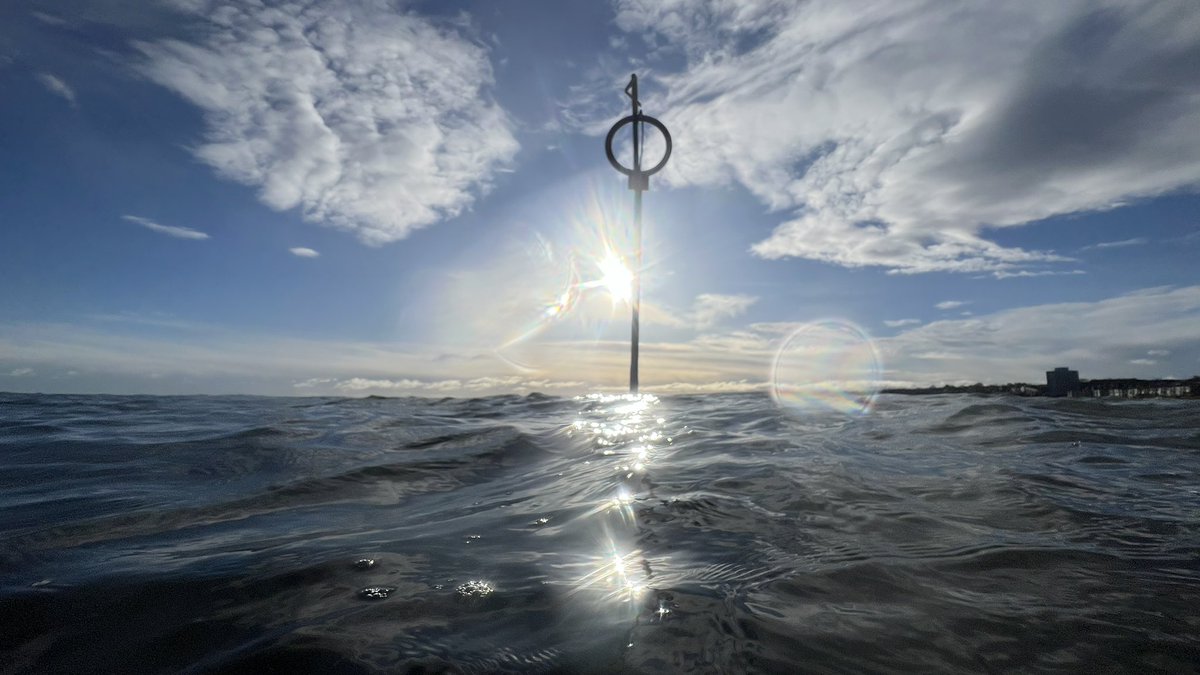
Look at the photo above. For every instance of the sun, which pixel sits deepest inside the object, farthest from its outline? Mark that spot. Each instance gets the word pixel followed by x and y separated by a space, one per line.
pixel 615 277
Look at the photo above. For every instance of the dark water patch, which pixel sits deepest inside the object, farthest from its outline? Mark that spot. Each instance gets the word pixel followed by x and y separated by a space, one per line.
pixel 1102 459
pixel 1094 439
pixel 13 432
pixel 982 419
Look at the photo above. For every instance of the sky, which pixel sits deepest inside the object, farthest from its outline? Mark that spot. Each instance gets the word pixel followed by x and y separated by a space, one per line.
pixel 412 197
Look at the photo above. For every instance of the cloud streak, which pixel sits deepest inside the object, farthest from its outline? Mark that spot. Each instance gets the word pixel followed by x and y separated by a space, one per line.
pixel 371 120
pixel 169 230
pixel 58 87
pixel 1022 274
pixel 1136 241
pixel 456 386
pixel 895 134
pixel 303 252
pixel 710 308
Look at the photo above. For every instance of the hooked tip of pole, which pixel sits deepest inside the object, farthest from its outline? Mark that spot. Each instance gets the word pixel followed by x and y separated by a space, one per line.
pixel 639 178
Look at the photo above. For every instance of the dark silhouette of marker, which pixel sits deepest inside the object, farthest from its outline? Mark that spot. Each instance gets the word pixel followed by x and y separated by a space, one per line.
pixel 639 182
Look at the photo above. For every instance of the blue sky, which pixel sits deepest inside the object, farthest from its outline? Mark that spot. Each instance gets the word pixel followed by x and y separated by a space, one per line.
pixel 412 197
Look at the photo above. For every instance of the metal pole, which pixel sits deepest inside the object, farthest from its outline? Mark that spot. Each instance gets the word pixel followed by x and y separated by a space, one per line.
pixel 637 238
pixel 639 182
pixel 637 291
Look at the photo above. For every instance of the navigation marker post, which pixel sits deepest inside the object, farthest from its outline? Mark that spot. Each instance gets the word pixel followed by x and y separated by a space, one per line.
pixel 639 182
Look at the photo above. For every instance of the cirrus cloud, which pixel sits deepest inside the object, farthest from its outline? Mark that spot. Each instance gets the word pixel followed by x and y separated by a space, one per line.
pixel 57 86
pixel 169 230
pixel 710 308
pixel 1136 241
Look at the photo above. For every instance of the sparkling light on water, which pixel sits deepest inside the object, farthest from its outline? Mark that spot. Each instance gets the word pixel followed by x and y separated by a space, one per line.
pixel 616 576
pixel 826 365
pixel 625 433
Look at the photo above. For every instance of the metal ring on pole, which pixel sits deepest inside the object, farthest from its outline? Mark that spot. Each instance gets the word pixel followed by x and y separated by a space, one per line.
pixel 612 159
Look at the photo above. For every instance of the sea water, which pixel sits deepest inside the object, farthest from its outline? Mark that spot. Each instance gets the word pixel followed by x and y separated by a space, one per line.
pixel 600 534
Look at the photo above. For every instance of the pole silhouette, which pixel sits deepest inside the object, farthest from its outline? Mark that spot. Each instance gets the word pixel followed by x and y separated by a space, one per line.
pixel 639 182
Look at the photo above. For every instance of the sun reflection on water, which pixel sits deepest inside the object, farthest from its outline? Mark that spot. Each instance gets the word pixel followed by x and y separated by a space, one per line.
pixel 615 576
pixel 626 433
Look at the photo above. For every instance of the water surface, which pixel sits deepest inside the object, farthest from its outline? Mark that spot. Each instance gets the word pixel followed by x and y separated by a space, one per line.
pixel 537 534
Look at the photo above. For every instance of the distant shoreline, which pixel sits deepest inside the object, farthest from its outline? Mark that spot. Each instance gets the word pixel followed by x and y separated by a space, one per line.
pixel 1099 388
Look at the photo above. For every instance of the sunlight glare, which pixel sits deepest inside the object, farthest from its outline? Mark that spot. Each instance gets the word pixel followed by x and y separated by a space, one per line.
pixel 615 277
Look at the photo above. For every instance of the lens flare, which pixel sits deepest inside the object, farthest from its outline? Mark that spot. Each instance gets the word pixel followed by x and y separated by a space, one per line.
pixel 826 365
pixel 553 301
pixel 559 272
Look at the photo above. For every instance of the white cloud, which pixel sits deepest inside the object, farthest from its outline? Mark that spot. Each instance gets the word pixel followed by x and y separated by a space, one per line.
pixel 313 382
pixel 451 386
pixel 895 133
pixel 951 304
pixel 363 384
pixel 508 384
pixel 1095 338
pixel 1099 338
pixel 1005 274
pixel 303 252
pixel 20 372
pixel 900 323
pixel 56 86
pixel 710 308
pixel 711 387
pixel 1143 362
pixel 370 119
pixel 48 19
pixel 1136 241
pixel 169 230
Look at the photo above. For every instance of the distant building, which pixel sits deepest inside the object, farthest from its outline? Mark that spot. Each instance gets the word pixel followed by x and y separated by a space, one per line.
pixel 1062 382
pixel 1131 388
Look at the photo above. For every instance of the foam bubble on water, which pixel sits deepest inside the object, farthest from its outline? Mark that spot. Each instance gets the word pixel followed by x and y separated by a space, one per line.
pixel 376 592
pixel 475 593
pixel 474 590
pixel 830 364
